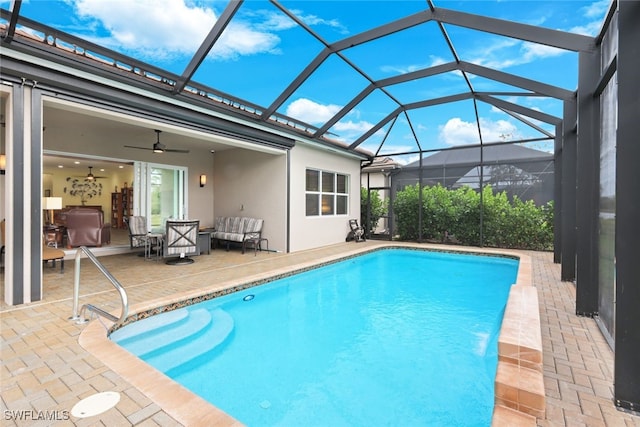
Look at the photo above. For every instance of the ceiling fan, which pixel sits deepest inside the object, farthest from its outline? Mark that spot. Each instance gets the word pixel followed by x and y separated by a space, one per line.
pixel 90 176
pixel 158 147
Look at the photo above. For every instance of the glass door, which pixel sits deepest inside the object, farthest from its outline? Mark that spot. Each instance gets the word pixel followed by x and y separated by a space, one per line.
pixel 163 193
pixel 168 194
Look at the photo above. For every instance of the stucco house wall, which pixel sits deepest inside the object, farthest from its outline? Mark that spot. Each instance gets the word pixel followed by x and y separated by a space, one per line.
pixel 313 232
pixel 253 184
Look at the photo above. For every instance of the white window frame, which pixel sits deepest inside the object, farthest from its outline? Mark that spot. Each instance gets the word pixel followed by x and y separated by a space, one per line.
pixel 333 193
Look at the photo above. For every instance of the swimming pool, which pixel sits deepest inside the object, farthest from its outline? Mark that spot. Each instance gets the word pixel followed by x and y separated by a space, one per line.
pixel 417 343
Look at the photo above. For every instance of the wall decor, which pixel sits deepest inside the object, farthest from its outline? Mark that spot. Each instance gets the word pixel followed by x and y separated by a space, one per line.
pixel 83 188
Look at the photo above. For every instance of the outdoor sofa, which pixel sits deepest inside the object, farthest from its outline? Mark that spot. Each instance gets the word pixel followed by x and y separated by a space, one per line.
pixel 236 229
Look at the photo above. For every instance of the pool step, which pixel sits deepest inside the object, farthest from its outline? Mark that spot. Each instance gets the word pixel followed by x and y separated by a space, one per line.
pixel 212 336
pixel 164 336
pixel 153 325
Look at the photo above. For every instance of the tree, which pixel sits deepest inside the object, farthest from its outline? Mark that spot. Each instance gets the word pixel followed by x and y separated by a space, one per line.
pixel 377 209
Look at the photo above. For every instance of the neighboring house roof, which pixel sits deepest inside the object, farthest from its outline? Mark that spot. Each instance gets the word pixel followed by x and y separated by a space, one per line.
pixel 506 153
pixel 381 164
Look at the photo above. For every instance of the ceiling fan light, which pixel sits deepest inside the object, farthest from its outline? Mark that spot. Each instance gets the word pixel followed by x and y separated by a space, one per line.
pixel 157 147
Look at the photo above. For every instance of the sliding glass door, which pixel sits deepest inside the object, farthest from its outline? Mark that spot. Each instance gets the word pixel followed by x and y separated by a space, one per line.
pixel 163 193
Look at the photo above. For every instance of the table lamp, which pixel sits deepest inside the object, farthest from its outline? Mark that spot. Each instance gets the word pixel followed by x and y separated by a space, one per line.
pixel 51 204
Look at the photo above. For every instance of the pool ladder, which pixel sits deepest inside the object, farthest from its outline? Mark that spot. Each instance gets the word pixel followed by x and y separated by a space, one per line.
pixel 78 315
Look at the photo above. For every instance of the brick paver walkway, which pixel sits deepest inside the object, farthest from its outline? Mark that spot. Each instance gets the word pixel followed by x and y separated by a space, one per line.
pixel 44 371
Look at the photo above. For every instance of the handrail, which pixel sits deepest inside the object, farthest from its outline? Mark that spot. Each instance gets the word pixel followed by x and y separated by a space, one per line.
pixel 76 291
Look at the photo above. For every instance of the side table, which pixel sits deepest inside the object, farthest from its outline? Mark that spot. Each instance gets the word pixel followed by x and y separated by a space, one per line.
pixel 153 239
pixel 204 241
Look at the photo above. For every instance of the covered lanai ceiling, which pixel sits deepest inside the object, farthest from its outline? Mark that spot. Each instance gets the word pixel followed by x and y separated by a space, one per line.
pixel 393 78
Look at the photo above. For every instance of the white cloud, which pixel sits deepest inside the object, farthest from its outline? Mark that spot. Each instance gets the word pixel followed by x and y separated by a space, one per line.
pixel 533 51
pixel 404 69
pixel 500 55
pixel 311 112
pixel 313 20
pixel 170 28
pixel 318 114
pixel 276 21
pixel 353 127
pixel 240 39
pixel 459 132
pixel 588 29
pixel 597 9
pixel 273 21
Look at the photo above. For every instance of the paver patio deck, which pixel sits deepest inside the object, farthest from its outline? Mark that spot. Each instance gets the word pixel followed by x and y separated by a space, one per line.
pixel 44 369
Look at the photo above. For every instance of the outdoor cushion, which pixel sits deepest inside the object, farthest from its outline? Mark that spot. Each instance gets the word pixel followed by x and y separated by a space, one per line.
pixel 237 229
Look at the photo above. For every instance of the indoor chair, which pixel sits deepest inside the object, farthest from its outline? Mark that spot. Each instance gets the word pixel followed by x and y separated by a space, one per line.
pixel 86 227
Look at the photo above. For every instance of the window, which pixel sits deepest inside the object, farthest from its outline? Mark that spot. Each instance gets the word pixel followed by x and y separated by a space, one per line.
pixel 327 193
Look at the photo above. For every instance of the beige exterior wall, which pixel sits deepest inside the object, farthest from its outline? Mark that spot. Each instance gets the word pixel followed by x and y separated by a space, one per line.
pixel 312 232
pixel 375 179
pixel 253 184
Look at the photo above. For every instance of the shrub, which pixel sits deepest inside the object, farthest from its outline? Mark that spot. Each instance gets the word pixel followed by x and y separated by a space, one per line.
pixel 405 209
pixel 378 209
pixel 507 224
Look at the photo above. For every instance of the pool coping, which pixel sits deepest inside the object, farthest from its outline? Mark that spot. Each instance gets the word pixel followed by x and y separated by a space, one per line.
pixel 514 394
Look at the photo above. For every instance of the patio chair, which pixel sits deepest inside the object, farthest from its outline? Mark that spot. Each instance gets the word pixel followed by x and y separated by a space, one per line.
pixel 137 226
pixel 356 233
pixel 181 241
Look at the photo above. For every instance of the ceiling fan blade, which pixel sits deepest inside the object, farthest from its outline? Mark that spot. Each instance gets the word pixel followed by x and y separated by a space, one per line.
pixel 159 147
pixel 139 148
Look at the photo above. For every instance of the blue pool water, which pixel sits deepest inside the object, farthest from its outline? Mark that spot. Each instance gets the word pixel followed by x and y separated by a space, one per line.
pixel 393 337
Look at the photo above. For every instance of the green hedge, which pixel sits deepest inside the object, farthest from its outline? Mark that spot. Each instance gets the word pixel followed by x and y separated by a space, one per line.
pixel 455 214
pixel 377 210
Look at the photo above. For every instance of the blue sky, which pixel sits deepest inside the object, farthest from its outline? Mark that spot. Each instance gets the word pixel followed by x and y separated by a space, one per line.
pixel 263 50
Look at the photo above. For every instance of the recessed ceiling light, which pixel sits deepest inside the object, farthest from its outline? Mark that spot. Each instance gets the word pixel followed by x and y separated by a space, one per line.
pixel 101 169
pixel 60 166
pixel 121 167
pixel 76 162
